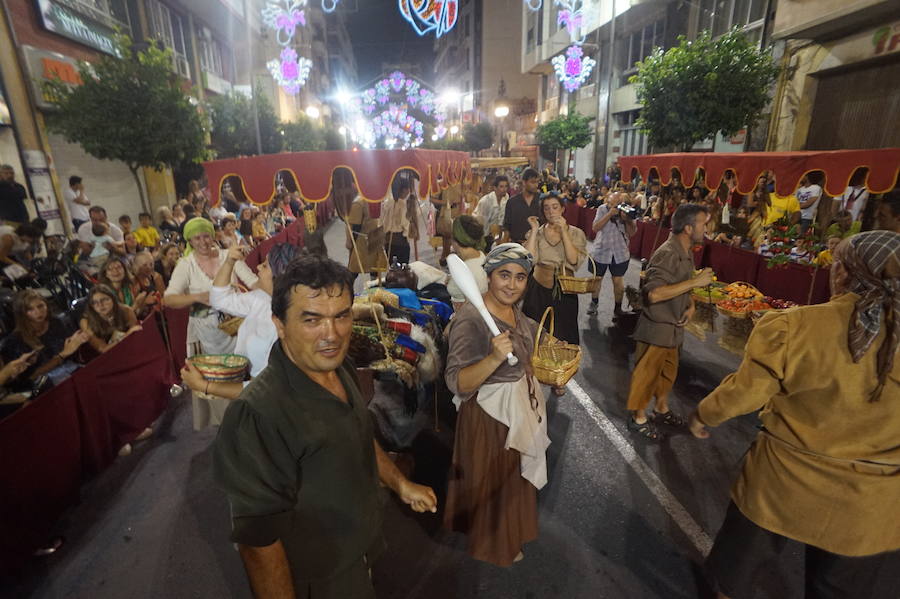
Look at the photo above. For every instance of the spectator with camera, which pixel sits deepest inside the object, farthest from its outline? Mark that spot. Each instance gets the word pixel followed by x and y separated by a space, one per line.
pixel 614 225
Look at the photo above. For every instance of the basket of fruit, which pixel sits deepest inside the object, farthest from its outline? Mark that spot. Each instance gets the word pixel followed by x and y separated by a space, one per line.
pixel 221 367
pixel 743 291
pixel 710 294
pixel 741 308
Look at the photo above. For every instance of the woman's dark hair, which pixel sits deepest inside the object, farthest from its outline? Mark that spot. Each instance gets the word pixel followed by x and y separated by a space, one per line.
pixel 550 195
pixel 104 279
pixel 472 228
pixel 686 214
pixel 165 250
pixel 313 271
pixel 99 326
pixel 28 230
pixel 24 327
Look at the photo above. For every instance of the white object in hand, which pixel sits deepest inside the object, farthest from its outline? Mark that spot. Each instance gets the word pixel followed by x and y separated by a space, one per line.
pixel 469 287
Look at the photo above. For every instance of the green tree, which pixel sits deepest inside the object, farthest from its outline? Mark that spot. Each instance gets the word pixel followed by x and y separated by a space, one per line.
pixel 447 143
pixel 233 132
pixel 302 135
pixel 478 136
pixel 697 89
pixel 132 109
pixel 565 132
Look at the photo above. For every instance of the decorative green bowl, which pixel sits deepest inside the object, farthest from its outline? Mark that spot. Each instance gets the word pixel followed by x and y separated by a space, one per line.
pixel 221 367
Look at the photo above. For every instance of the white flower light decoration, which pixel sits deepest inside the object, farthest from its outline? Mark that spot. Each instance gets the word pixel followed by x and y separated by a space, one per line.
pixel 574 68
pixel 290 71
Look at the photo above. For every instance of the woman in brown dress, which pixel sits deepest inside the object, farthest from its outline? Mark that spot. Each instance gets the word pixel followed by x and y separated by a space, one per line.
pixel 499 455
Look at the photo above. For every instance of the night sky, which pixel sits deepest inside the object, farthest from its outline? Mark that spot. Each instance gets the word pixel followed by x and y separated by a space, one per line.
pixel 380 34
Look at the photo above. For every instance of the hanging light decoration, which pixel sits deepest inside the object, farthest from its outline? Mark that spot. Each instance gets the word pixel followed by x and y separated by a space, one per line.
pixel 289 70
pixel 534 5
pixel 574 68
pixel 329 5
pixel 426 16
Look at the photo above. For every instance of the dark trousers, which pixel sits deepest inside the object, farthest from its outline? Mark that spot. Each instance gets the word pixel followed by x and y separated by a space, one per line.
pixel 398 248
pixel 743 550
pixel 77 222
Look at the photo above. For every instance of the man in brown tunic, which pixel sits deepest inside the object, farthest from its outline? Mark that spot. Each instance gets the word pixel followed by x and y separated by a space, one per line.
pixel 667 308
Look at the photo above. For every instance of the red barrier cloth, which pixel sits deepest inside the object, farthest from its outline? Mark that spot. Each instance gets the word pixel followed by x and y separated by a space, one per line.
pixel 788 167
pixel 40 471
pixel 373 171
pixel 731 264
pixel 792 282
pixel 634 244
pixel 654 236
pixel 176 321
pixel 294 234
pixel 586 222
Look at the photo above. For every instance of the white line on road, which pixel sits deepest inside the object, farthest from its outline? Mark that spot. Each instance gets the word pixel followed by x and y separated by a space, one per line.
pixel 674 508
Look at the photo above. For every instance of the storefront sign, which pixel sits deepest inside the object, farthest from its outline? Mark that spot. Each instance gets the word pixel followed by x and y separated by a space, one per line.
pixel 872 43
pixel 42 66
pixel 64 21
pixel 886 39
pixel 38 172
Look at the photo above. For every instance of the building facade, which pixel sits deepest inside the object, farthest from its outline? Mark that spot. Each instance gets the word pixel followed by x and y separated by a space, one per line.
pixel 839 85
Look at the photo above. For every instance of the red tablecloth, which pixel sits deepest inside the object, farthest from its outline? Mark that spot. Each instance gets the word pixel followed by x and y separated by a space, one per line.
pixel 48 448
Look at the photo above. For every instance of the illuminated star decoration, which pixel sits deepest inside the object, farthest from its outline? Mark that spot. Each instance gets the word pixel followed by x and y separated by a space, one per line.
pixel 574 68
pixel 329 5
pixel 426 16
pixel 384 112
pixel 290 71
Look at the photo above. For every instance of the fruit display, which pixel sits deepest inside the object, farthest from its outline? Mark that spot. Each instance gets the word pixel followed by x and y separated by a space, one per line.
pixel 711 294
pixel 779 304
pixel 738 290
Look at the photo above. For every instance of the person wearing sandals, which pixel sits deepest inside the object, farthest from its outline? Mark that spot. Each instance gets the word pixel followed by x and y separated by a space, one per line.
pixel 824 471
pixel 499 453
pixel 660 329
pixel 555 245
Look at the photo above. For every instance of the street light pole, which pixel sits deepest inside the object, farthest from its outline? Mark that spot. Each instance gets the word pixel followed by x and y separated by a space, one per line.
pixel 252 80
pixel 609 86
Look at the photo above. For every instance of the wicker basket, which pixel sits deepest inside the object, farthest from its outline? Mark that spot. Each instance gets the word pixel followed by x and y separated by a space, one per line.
pixel 732 313
pixel 573 285
pixel 230 326
pixel 554 364
pixel 221 367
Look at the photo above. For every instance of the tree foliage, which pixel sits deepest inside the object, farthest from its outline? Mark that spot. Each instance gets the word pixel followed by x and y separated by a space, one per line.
pixel 565 132
pixel 233 132
pixel 302 135
pixel 132 109
pixel 697 89
pixel 478 136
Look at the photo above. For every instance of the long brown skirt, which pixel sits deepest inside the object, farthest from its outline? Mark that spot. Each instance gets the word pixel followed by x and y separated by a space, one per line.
pixel 487 498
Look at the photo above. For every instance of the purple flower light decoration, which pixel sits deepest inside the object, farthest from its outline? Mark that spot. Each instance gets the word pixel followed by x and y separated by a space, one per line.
pixel 572 19
pixel 290 71
pixel 284 19
pixel 574 68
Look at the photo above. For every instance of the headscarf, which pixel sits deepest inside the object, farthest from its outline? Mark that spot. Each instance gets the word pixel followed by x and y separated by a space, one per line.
pixel 280 256
pixel 460 235
pixel 506 253
pixel 193 227
pixel 865 257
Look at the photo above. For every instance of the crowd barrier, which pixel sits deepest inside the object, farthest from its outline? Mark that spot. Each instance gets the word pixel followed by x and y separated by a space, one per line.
pixel 74 431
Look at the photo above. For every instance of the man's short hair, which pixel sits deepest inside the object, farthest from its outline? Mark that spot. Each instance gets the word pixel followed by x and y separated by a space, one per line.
pixel 685 215
pixel 74 180
pixel 500 179
pixel 530 173
pixel 28 230
pixel 39 224
pixel 143 214
pixel 310 270
pixel 97 210
pixel 124 219
pixel 188 209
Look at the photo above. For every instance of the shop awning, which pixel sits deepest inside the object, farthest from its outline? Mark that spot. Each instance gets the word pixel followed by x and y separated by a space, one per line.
pixel 788 167
pixel 373 171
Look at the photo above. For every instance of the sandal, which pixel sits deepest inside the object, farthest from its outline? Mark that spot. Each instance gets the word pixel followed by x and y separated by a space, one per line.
pixel 646 429
pixel 669 418
pixel 559 391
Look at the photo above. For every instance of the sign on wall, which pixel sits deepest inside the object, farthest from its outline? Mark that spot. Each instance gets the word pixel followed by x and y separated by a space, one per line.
pixel 43 65
pixel 64 21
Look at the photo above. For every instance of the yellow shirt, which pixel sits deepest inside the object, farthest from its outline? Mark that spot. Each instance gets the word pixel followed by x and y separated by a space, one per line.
pixel 147 236
pixel 824 258
pixel 826 471
pixel 781 205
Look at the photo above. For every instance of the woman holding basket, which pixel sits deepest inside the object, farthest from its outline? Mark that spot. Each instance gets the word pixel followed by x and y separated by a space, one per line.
pixel 499 455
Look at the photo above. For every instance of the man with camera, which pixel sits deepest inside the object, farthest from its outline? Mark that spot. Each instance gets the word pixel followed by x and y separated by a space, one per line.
pixel 614 225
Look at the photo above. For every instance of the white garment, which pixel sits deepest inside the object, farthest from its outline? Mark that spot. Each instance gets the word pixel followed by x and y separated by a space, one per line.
pixel 510 404
pixel 18 246
pixel 476 267
pixel 490 212
pixel 257 333
pixel 859 195
pixel 217 213
pixel 76 211
pixel 393 216
pixel 805 194
pixel 85 234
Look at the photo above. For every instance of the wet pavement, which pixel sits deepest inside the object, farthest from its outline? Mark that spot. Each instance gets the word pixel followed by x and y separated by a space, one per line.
pixel 619 518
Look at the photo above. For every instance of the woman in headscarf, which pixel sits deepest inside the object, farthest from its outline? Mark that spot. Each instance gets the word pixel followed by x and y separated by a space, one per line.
pixel 468 243
pixel 499 455
pixel 257 333
pixel 825 470
pixel 189 286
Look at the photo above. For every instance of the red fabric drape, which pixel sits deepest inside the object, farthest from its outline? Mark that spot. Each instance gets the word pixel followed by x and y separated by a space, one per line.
pixel 789 168
pixel 373 171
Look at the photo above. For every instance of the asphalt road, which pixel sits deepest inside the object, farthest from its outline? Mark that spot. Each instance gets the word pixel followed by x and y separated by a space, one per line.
pixel 619 518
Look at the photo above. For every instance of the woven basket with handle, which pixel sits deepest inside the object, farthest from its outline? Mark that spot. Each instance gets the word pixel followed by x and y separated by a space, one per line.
pixel 554 363
pixel 221 367
pixel 571 284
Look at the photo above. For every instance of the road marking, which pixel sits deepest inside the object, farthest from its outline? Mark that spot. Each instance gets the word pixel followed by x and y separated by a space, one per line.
pixel 665 497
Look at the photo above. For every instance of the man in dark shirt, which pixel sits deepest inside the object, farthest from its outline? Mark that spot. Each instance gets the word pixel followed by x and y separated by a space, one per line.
pixel 296 453
pixel 660 329
pixel 12 197
pixel 520 207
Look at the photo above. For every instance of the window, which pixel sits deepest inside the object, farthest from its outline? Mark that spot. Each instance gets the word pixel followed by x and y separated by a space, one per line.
pixel 720 16
pixel 166 26
pixel 639 45
pixel 210 55
pixel 110 12
pixel 632 140
pixel 531 37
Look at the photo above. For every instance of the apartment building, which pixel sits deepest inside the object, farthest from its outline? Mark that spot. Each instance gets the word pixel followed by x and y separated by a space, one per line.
pixel 839 83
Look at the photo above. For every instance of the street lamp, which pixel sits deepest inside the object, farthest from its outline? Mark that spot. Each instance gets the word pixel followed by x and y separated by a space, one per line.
pixel 344 97
pixel 312 112
pixel 501 112
pixel 454 130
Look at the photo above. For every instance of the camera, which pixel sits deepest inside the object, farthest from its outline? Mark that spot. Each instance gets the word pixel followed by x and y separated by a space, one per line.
pixel 626 209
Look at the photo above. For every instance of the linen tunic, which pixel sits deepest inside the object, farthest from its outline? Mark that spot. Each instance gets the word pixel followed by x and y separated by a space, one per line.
pixel 827 471
pixel 257 333
pixel 657 324
pixel 298 465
